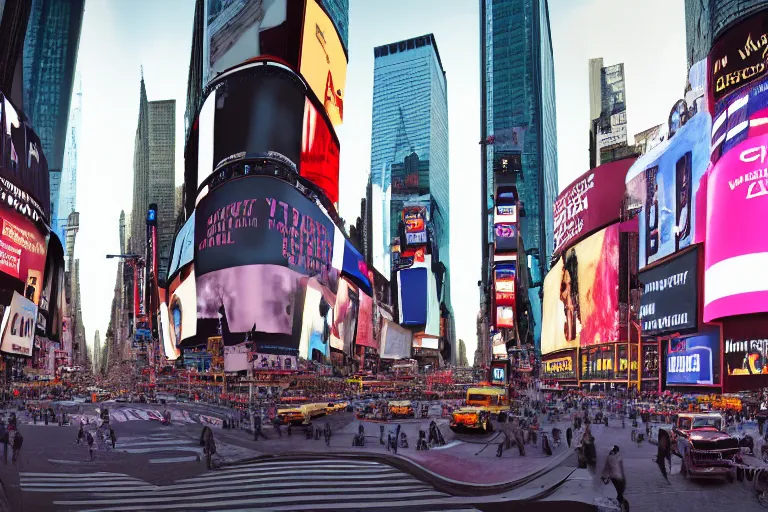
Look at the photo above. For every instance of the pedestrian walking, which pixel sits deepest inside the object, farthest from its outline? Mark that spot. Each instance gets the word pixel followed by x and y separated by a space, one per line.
pixel 18 440
pixel 112 437
pixel 206 439
pixel 80 434
pixel 614 472
pixel 89 440
pixel 4 440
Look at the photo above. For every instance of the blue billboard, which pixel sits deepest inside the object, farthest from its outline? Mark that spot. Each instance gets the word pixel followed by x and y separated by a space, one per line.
pixel 694 360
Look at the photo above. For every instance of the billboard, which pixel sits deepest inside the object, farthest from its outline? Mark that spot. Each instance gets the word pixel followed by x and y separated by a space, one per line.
pixel 694 360
pixel 670 296
pixel 183 247
pixel 745 345
pixel 22 251
pixel 505 317
pixel 19 331
pixel 23 163
pixel 504 283
pixel 738 117
pixel 662 186
pixel 167 334
pixel 581 303
pixel 259 242
pixel 612 131
pixel 737 57
pixel 559 368
pixel 323 61
pixel 365 323
pixel 345 312
pixel 240 30
pixel 413 296
pixel 182 307
pixel 506 237
pixel 415 221
pixel 236 358
pixel 396 341
pixel 319 157
pixel 590 203
pixel 736 253
pixel 317 319
pixel 499 375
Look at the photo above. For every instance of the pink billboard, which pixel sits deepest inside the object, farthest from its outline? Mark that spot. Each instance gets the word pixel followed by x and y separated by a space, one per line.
pixel 736 250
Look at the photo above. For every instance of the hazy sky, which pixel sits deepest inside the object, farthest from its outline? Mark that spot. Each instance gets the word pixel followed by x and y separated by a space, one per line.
pixel 121 35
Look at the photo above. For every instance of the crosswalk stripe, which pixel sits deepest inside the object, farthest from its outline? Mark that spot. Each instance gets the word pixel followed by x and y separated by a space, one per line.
pixel 73 475
pixel 256 489
pixel 291 471
pixel 297 480
pixel 154 443
pixel 157 449
pixel 167 460
pixel 254 501
pixel 89 485
pixel 314 463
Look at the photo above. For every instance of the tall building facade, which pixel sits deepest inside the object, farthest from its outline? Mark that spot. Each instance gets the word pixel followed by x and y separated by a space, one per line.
pixel 65 201
pixel 607 113
pixel 138 234
pixel 409 154
pixel 338 11
pixel 518 130
pixel 162 175
pixel 706 19
pixel 48 70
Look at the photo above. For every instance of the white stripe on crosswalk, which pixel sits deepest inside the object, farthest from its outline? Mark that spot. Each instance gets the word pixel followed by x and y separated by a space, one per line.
pixel 155 443
pixel 167 460
pixel 73 475
pixel 254 501
pixel 158 449
pixel 288 471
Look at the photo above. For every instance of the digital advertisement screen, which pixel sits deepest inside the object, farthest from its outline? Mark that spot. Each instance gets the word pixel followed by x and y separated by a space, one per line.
pixel 323 61
pixel 694 360
pixel 745 344
pixel 319 159
pixel 19 331
pixel 365 323
pixel 506 237
pixel 317 320
pixel 505 317
pixel 345 312
pixel 499 375
pixel 735 254
pixel 415 220
pixel 183 246
pixel 396 341
pixel 22 251
pixel 236 358
pixel 739 117
pixel 182 307
pixel 504 283
pixel 24 163
pixel 581 303
pixel 166 335
pixel 559 368
pixel 590 203
pixel 737 57
pixel 670 296
pixel 413 296
pixel 662 185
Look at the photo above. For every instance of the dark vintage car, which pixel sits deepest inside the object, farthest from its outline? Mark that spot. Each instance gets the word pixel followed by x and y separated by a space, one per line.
pixel 706 449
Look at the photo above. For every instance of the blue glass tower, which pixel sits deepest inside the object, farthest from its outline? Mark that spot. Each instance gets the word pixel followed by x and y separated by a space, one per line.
pixel 338 10
pixel 518 94
pixel 409 149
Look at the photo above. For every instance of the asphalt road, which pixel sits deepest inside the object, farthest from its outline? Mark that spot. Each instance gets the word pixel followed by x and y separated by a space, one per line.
pixel 647 491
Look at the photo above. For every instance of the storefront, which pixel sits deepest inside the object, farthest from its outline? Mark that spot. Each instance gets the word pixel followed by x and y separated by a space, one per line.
pixel 745 353
pixel 560 368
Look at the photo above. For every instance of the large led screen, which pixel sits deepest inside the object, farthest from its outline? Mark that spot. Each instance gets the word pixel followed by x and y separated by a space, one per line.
pixel 344 324
pixel 413 296
pixel 663 184
pixel 504 283
pixel 745 344
pixel 670 296
pixel 259 243
pixel 19 330
pixel 396 341
pixel 241 30
pixel 182 307
pixel 736 251
pixel 22 252
pixel 415 221
pixel 590 203
pixel 365 323
pixel 694 360
pixel 738 117
pixel 316 322
pixel 183 247
pixel 319 158
pixel 737 57
pixel 23 161
pixel 581 303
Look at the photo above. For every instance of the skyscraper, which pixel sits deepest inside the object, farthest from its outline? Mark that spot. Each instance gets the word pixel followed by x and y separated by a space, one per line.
pixel 50 55
pixel 518 105
pixel 138 238
pixel 607 113
pixel 706 19
pixel 338 10
pixel 65 201
pixel 409 152
pixel 162 175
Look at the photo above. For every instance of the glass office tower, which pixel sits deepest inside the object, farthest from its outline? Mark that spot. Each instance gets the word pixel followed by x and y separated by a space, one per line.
pixel 409 149
pixel 518 97
pixel 338 10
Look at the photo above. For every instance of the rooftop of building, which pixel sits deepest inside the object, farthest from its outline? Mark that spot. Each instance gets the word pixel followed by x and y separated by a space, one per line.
pixel 409 44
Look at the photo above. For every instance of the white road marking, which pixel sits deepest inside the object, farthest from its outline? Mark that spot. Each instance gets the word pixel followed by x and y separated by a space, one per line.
pixel 189 458
pixel 449 445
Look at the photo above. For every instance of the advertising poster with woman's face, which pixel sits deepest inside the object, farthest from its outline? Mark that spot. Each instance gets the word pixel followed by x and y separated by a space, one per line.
pixel 581 304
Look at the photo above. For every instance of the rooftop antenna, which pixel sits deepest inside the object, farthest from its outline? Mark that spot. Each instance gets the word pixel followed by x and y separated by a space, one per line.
pixel 142 71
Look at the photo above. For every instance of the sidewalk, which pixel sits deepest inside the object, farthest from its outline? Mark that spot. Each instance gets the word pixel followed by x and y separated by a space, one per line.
pixel 466 464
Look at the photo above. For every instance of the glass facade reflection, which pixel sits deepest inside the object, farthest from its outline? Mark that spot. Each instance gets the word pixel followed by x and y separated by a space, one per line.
pixel 338 10
pixel 409 150
pixel 520 96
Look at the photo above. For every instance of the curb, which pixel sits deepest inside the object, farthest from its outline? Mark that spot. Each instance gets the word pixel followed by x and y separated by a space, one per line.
pixel 5 504
pixel 441 483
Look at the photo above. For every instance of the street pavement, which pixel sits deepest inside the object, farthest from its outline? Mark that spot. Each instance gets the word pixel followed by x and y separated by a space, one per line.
pixel 647 491
pixel 329 484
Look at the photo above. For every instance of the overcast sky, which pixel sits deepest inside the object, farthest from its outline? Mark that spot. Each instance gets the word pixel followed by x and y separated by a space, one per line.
pixel 119 36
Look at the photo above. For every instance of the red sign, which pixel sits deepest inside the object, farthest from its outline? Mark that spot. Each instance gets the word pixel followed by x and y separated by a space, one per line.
pixel 10 258
pixel 590 203
pixel 22 250
pixel 319 158
pixel 365 323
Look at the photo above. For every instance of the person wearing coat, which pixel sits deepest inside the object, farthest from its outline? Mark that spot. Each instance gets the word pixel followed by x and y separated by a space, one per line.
pixel 614 472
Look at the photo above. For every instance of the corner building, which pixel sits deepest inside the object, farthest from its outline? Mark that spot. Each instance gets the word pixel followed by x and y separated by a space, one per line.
pixel 409 150
pixel 518 95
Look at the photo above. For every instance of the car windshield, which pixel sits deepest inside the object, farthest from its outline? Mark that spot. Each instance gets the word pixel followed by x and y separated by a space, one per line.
pixel 706 422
